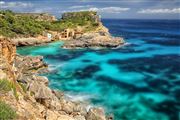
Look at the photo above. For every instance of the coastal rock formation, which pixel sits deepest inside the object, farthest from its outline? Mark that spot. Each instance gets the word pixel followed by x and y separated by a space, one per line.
pixel 7 57
pixel 99 37
pixel 94 40
pixel 31 41
pixel 96 114
pixel 38 101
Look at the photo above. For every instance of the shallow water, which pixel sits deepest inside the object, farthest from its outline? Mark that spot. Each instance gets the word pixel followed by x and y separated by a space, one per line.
pixel 140 81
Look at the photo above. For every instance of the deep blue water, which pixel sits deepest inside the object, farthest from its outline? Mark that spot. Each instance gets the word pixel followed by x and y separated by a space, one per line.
pixel 140 81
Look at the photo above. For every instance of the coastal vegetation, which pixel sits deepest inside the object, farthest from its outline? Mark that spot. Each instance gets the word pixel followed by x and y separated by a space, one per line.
pixel 6 112
pixel 14 25
pixel 6 86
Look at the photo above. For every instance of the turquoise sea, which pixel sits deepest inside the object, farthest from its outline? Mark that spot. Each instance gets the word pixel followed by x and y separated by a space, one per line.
pixel 140 81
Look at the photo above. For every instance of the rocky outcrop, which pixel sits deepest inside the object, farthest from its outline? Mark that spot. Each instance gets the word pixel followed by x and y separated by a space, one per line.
pixel 94 40
pixel 98 38
pixel 31 41
pixel 38 102
pixel 96 114
pixel 7 57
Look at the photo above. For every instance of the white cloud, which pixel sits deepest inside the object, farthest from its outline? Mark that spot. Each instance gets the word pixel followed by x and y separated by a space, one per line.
pixel 2 2
pixel 113 9
pixel 158 11
pixel 80 7
pixel 101 10
pixel 7 5
pixel 43 10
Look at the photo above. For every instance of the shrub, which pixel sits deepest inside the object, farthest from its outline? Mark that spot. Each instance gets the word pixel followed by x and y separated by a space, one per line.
pixel 6 112
pixel 6 85
pixel 13 25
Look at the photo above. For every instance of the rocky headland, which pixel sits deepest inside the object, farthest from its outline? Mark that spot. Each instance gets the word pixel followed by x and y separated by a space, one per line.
pixel 76 29
pixel 21 86
pixel 94 40
pixel 99 37
pixel 31 97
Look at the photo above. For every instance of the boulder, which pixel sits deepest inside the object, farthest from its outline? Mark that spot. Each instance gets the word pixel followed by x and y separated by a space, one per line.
pixel 65 117
pixel 96 114
pixel 79 117
pixel 67 106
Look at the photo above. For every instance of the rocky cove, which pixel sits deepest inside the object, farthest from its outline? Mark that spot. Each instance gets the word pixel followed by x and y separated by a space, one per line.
pixel 30 95
pixel 38 101
pixel 76 29
pixel 130 81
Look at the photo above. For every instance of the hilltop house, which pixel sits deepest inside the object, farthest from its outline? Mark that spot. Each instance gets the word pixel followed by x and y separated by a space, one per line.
pixel 70 34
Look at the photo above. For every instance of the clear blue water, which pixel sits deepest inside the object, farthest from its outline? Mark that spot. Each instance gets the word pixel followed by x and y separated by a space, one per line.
pixel 140 81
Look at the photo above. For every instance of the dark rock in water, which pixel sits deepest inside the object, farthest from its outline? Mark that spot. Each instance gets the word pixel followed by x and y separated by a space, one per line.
pixel 162 86
pixel 169 107
pixel 150 64
pixel 87 72
pixel 86 60
pixel 129 50
pixel 65 57
pixel 169 42
pixel 129 87
pixel 176 93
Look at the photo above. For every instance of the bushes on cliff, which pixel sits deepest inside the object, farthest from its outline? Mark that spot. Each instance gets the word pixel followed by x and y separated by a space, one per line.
pixel 6 112
pixel 14 25
pixel 6 85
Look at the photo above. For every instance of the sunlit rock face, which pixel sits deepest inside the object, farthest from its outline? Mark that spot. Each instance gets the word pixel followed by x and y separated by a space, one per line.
pixel 7 57
pixel 98 37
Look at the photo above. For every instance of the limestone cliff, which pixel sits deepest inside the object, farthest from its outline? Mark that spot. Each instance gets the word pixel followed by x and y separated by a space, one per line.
pixel 7 57
pixel 95 36
pixel 38 101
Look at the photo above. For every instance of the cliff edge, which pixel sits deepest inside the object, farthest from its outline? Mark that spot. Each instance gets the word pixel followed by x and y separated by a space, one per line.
pixel 28 94
pixel 92 35
pixel 77 29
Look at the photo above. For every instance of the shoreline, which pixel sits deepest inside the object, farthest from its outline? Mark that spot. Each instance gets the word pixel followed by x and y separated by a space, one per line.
pixel 40 101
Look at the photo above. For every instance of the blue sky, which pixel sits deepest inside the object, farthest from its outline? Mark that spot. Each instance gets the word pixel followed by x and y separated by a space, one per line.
pixel 122 9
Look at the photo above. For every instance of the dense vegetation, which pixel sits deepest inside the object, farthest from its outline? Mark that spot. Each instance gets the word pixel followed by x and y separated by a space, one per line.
pixel 13 25
pixel 6 112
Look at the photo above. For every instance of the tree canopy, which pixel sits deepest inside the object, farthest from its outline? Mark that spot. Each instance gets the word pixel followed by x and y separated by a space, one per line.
pixel 13 25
